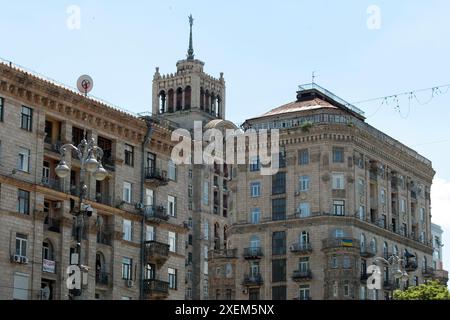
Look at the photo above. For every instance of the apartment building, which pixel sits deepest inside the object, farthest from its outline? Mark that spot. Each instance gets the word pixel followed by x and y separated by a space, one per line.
pixel 345 194
pixel 134 242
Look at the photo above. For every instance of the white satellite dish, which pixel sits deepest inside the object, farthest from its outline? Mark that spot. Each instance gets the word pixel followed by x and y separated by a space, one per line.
pixel 85 84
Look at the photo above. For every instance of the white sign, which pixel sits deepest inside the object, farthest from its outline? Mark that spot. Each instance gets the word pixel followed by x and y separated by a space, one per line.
pixel 48 266
pixel 85 84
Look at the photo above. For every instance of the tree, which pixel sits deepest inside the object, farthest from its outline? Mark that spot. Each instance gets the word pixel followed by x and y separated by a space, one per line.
pixel 432 290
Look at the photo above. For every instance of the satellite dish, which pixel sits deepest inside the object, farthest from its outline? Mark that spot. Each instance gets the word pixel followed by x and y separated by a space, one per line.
pixel 85 84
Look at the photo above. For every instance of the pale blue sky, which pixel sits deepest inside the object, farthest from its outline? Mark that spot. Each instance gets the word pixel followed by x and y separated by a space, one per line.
pixel 265 50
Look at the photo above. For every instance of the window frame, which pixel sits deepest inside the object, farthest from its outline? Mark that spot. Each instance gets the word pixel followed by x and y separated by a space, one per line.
pixel 127 230
pixel 303 157
pixel 338 155
pixel 129 155
pixel 26 120
pixel 23 201
pixel 125 186
pixel 23 164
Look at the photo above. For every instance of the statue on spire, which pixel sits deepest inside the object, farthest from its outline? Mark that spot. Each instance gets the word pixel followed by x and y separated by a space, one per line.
pixel 190 54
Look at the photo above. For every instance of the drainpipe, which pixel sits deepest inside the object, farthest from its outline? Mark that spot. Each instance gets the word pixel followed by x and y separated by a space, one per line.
pixel 142 266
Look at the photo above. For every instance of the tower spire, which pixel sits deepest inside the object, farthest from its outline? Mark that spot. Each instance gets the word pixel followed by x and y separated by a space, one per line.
pixel 190 54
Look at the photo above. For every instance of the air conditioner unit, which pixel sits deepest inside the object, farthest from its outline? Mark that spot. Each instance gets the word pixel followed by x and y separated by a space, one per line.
pixel 139 205
pixel 16 258
pixel 129 283
pixel 24 260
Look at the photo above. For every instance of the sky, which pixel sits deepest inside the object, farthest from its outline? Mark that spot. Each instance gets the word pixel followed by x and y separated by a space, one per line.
pixel 358 49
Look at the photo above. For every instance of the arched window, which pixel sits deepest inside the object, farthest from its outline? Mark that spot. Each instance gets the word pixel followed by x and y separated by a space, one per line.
pixel 424 263
pixel 170 102
pixel 219 107
pixel 225 236
pixel 162 101
pixel 362 239
pixel 47 250
pixel 216 236
pixel 179 99
pixel 206 230
pixel 207 101
pixel 373 245
pixel 187 98
pixel 304 238
pixel 385 250
pixel 202 98
pixel 213 103
pixel 395 250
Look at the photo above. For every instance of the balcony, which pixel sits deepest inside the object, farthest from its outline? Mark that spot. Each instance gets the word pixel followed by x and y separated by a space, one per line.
pixel 155 177
pixel 55 184
pixel 102 279
pixel 411 266
pixel 52 145
pixel 109 163
pixel 223 253
pixel 301 248
pixel 156 252
pixel 302 275
pixel 333 243
pixel 253 280
pixel 154 212
pixel 105 237
pixel 441 275
pixel 156 289
pixel 367 253
pixel 52 224
pixel 104 199
pixel 253 253
pixel 428 272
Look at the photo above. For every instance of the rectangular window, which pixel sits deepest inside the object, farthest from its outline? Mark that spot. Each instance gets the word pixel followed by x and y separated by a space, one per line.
pixel 129 155
pixel 304 183
pixel 339 207
pixel 172 241
pixel 126 195
pixel 172 206
pixel 303 157
pixel 304 292
pixel 383 196
pixel 278 243
pixel 21 245
pixel 279 293
pixel 172 278
pixel 23 204
pixel 361 186
pixel 279 270
pixel 338 181
pixel 304 209
pixel 403 205
pixel 24 159
pixel 21 286
pixel 126 269
pixel 303 264
pixel 190 191
pixel 253 294
pixel 279 183
pixel 26 121
pixel 255 215
pixel 362 213
pixel 150 233
pixel 422 214
pixel 172 170
pixel 255 164
pixel 205 193
pixel 255 188
pixel 127 230
pixel 278 209
pixel 2 107
pixel 338 155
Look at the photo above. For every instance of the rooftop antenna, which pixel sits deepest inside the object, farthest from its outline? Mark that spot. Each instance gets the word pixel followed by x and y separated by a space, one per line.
pixel 313 76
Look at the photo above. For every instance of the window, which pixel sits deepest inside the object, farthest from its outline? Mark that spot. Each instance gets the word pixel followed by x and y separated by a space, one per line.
pixel 303 292
pixel 338 155
pixel 127 230
pixel 254 242
pixel 23 204
pixel 279 242
pixel 253 294
pixel 126 269
pixel 206 230
pixel 172 278
pixel 129 155
pixel 171 170
pixel 346 262
pixel 255 188
pixel 126 192
pixel 26 118
pixel 21 245
pixel 228 294
pixel 190 191
pixel 2 104
pixel 338 181
pixel 395 250
pixel 205 192
pixel 278 209
pixel 383 196
pixel 422 214
pixel 279 270
pixel 279 293
pixel 172 241
pixel 21 286
pixel 149 271
pixel 303 157
pixel 346 288
pixel 335 289
pixel 172 206
pixel 334 264
pixel 362 213
pixel 149 233
pixel 373 245
pixel 416 281
pixel 362 240
pixel 339 207
pixel 255 215
pixel 24 160
pixel 255 164
pixel 304 238
pixel 403 205
pixel 338 233
pixel 279 183
pixel 304 183
pixel 361 186
pixel 303 264
pixel 362 293
pixel 304 209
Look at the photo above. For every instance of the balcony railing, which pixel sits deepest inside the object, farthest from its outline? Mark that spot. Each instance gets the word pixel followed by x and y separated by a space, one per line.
pixel 157 252
pixel 427 271
pixel 55 184
pixel 302 275
pixel 411 266
pixel 340 243
pixel 156 212
pixel 109 163
pixel 52 145
pixel 253 253
pixel 155 176
pixel 253 280
pixel 302 248
pixel 102 278
pixel 223 253
pixel 52 224
pixel 104 199
pixel 156 289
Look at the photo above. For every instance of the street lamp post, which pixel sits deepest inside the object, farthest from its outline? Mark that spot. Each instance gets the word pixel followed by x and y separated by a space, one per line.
pixel 90 156
pixel 399 272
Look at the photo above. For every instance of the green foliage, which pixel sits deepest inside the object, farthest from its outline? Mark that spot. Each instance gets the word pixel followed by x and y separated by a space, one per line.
pixel 432 290
pixel 306 126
